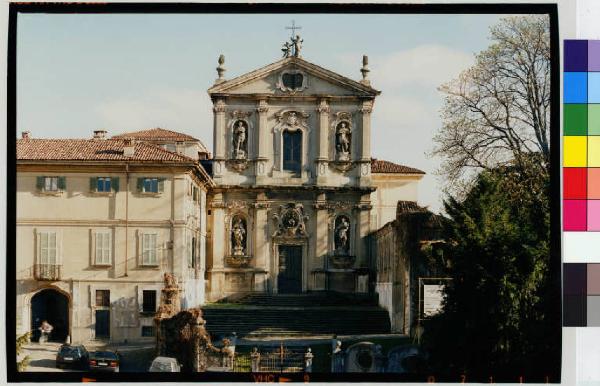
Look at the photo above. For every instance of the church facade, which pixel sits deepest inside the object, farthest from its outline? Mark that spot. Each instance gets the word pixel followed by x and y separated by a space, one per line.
pixel 294 201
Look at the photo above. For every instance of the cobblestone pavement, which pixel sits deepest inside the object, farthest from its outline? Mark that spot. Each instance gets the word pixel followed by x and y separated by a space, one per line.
pixel 134 358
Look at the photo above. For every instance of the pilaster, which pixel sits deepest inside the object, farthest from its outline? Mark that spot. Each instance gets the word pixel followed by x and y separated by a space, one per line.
pixel 365 150
pixel 261 242
pixel 323 156
pixel 318 262
pixel 262 141
pixel 219 136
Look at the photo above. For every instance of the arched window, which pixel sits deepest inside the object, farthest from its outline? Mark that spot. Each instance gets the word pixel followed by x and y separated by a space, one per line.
pixel 292 151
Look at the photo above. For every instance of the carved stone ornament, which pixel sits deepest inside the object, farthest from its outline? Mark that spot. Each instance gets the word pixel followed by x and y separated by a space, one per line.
pixel 239 165
pixel 241 261
pixel 219 106
pixel 342 166
pixel 237 205
pixel 292 81
pixel 290 221
pixel 292 118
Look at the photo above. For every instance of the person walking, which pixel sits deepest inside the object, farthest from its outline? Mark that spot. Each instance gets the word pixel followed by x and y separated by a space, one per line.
pixel 45 329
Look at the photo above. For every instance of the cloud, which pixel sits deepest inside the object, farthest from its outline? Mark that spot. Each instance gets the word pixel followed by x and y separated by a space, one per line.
pixel 184 110
pixel 427 65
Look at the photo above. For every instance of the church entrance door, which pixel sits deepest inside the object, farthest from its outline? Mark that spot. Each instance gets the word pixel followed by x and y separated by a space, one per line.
pixel 289 280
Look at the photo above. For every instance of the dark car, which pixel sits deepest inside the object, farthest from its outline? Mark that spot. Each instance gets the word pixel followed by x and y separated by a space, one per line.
pixel 104 361
pixel 72 356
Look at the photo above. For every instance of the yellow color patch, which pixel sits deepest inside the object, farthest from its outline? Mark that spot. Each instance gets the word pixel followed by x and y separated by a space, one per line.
pixel 594 151
pixel 575 151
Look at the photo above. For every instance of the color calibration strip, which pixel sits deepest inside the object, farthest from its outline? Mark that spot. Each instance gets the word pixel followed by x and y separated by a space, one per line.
pixel 581 130
pixel 581 295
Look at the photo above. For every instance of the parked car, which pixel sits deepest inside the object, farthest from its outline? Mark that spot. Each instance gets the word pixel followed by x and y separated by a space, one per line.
pixel 72 356
pixel 104 361
pixel 165 365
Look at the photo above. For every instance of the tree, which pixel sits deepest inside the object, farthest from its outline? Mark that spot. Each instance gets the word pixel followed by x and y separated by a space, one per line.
pixel 502 309
pixel 21 341
pixel 498 110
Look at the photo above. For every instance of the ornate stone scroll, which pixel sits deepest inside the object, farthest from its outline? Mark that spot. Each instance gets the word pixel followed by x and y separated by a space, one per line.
pixel 290 221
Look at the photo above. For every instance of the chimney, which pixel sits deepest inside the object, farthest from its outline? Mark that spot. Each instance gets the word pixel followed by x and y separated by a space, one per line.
pixel 25 134
pixel 128 147
pixel 99 134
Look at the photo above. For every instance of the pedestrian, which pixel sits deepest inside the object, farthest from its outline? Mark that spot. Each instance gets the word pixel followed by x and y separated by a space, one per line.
pixel 45 329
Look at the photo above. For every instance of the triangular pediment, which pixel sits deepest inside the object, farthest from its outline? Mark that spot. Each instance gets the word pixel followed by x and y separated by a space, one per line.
pixel 319 81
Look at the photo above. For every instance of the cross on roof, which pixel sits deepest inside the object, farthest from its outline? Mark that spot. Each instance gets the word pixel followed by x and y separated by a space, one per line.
pixel 293 27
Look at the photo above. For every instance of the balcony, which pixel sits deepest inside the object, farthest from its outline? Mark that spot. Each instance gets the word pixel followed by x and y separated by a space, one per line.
pixel 46 271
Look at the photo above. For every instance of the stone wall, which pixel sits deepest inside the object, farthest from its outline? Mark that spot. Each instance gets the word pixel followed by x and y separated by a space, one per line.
pixel 400 255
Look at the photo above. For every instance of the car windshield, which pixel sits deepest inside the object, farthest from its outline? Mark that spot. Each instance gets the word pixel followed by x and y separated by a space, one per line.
pixel 67 350
pixel 161 366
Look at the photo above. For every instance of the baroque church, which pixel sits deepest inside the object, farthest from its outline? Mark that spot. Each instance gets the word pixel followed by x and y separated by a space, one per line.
pixel 295 198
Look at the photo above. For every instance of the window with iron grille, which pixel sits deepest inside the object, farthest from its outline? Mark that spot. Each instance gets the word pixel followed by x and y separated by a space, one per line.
pixel 147 330
pixel 102 298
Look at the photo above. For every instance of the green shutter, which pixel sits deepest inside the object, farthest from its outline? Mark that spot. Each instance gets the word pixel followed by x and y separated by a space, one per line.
pixel 93 184
pixel 114 183
pixel 62 183
pixel 161 185
pixel 140 184
pixel 39 183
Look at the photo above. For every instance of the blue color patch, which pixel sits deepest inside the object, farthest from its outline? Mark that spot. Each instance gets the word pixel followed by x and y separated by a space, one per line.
pixel 575 87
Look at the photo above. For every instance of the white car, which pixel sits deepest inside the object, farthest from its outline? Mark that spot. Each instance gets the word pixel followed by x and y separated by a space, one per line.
pixel 165 365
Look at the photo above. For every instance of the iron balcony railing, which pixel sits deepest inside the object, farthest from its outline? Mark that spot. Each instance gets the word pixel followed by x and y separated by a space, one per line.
pixel 46 271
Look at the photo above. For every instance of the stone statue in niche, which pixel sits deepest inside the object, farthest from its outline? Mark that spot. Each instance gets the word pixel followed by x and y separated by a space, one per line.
pixel 342 236
pixel 238 236
pixel 239 140
pixel 343 141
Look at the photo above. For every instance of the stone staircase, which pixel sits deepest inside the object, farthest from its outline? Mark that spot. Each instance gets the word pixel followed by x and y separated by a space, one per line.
pixel 263 315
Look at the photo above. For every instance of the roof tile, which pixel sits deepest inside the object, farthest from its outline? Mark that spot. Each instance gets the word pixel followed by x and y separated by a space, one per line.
pixel 93 150
pixel 382 166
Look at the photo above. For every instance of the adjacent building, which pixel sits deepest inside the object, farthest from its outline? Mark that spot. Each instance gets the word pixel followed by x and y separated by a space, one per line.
pixel 99 221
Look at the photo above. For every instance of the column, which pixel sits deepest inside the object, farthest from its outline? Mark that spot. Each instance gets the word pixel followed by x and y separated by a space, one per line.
pixel 218 246
pixel 262 141
pixel 365 149
pixel 261 243
pixel 323 150
pixel 219 137
pixel 318 262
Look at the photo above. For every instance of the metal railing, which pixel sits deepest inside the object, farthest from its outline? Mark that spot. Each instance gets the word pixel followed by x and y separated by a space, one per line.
pixel 46 271
pixel 278 360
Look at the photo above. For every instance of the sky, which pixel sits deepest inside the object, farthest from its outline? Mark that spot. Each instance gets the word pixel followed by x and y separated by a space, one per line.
pixel 124 72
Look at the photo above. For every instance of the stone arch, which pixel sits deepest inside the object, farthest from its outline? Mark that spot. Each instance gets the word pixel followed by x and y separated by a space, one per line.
pixel 54 305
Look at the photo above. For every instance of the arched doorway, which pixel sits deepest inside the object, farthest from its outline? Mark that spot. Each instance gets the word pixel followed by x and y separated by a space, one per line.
pixel 52 306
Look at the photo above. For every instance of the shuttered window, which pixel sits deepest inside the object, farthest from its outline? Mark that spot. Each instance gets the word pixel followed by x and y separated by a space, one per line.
pixel 51 183
pixel 103 247
pixel 48 248
pixel 151 185
pixel 149 249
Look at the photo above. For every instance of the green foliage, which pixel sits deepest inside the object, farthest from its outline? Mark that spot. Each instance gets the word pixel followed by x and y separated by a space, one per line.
pixel 502 310
pixel 22 340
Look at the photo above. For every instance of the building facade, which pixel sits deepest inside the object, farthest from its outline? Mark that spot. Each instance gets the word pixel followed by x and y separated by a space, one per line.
pixel 295 198
pixel 99 222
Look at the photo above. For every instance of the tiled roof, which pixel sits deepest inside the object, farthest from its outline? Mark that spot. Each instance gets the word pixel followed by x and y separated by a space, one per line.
pixel 409 207
pixel 93 150
pixel 382 166
pixel 157 134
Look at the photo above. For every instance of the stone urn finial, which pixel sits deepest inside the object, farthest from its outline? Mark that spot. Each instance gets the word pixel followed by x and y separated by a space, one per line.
pixel 221 69
pixel 365 70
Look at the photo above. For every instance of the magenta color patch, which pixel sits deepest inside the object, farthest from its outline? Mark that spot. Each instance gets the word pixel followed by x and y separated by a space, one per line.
pixel 574 215
pixel 593 215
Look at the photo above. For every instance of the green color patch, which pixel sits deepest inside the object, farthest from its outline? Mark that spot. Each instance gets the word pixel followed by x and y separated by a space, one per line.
pixel 575 119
